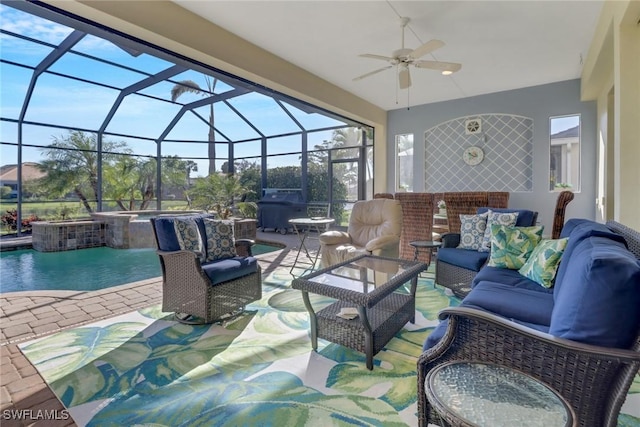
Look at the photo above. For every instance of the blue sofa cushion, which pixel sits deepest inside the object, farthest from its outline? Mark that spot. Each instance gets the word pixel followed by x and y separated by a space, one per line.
pixel 600 294
pixel 508 277
pixel 578 229
pixel 526 217
pixel 512 301
pixel 465 258
pixel 227 269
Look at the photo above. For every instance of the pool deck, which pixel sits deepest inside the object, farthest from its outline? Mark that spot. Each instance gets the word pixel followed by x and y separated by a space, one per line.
pixel 28 315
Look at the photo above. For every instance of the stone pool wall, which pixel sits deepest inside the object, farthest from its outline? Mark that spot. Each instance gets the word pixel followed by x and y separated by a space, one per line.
pixel 53 236
pixel 119 230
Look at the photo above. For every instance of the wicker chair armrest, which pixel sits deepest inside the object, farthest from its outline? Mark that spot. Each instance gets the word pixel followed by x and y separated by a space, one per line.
pixel 184 261
pixel 243 247
pixel 450 240
pixel 593 379
pixel 184 256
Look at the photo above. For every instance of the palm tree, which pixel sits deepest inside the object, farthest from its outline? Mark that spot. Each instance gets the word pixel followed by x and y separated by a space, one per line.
pixel 71 166
pixel 192 87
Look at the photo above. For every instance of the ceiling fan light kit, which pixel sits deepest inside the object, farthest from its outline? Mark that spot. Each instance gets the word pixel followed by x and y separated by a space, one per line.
pixel 402 58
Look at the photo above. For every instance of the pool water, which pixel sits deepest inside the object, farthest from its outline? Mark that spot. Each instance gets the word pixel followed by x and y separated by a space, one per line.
pixel 81 270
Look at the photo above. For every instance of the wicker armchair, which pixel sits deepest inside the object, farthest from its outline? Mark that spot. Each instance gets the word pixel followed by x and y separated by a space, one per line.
pixel 204 292
pixel 594 380
pixel 417 223
pixel 558 218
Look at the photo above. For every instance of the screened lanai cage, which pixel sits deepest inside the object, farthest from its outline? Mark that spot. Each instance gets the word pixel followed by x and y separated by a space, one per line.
pixel 93 120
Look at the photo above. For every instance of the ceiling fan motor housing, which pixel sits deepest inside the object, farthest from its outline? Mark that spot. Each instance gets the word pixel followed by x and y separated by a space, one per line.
pixel 402 55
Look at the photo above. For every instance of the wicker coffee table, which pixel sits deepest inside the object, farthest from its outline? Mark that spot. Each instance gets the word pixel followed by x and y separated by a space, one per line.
pixel 374 287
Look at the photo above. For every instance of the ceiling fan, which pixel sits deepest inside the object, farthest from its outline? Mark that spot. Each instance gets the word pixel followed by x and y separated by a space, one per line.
pixel 403 57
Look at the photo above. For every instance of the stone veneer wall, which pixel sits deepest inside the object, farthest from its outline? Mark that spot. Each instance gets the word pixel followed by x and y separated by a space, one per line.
pixel 56 236
pixel 115 231
pixel 245 229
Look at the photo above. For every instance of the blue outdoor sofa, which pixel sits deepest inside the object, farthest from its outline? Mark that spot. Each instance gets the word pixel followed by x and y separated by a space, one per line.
pixel 580 337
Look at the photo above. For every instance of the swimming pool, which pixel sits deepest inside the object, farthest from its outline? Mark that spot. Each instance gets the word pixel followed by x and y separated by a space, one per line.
pixel 82 270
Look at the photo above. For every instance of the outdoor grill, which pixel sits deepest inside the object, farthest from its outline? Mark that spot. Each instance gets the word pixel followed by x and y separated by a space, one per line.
pixel 278 206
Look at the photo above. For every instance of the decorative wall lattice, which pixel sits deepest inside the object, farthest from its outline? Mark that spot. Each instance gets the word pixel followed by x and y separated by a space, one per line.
pixel 507 142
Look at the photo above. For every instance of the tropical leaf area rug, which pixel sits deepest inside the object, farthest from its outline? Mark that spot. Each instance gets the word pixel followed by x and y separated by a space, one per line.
pixel 144 368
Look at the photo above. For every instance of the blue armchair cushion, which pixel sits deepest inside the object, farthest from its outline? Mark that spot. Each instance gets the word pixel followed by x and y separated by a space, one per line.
pixel 600 294
pixel 227 269
pixel 166 233
pixel 465 258
pixel 220 239
pixel 165 230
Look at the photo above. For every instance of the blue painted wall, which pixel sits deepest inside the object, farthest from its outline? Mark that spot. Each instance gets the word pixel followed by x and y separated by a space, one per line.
pixel 538 103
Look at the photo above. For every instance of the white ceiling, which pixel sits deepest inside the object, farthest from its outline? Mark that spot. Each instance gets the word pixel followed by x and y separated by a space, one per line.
pixel 502 45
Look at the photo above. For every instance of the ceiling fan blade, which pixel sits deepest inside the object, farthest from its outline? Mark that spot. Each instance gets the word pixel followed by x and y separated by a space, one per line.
pixel 404 78
pixel 372 56
pixel 372 73
pixel 428 47
pixel 439 65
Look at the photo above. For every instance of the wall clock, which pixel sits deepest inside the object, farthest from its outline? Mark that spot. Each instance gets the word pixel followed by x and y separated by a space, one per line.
pixel 473 155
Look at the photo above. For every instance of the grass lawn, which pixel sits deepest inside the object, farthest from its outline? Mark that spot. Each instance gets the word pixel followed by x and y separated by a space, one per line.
pixel 71 209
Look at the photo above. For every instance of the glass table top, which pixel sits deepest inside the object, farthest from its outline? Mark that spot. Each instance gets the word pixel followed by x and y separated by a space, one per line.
pixel 363 275
pixel 492 395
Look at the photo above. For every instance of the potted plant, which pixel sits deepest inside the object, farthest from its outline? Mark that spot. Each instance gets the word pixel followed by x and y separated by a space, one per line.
pixel 442 208
pixel 222 194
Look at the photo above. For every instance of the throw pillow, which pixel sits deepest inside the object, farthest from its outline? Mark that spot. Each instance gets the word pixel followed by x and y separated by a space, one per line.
pixel 501 218
pixel 188 236
pixel 512 246
pixel 221 243
pixel 543 262
pixel 472 229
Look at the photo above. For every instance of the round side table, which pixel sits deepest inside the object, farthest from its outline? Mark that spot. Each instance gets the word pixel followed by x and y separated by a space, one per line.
pixel 475 394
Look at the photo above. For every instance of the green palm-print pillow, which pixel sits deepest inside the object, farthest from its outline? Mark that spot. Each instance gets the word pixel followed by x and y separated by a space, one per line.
pixel 512 246
pixel 543 262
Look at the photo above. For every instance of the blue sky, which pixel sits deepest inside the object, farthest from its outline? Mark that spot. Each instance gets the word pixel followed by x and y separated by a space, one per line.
pixel 61 101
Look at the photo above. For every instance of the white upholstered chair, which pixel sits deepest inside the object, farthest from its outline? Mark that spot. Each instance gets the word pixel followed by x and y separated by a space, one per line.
pixel 374 228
